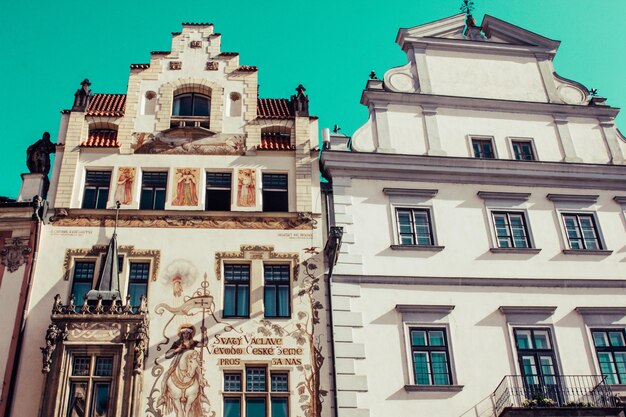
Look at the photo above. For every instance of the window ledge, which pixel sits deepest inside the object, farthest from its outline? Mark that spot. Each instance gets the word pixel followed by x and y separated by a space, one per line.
pixel 599 252
pixel 515 250
pixel 427 248
pixel 433 388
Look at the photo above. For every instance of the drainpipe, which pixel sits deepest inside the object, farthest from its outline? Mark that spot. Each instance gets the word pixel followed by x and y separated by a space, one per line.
pixel 39 208
pixel 331 253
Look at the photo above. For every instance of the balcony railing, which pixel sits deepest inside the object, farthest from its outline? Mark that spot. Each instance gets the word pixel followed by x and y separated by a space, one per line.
pixel 190 121
pixel 576 391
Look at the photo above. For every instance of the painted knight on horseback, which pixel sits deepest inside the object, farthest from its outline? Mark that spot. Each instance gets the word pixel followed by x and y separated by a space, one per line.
pixel 182 388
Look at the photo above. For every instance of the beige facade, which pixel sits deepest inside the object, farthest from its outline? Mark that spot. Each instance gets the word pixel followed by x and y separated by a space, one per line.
pixel 482 207
pixel 218 227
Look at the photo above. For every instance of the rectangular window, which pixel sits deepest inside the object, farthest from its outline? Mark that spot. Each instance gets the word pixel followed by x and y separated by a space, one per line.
pixel 523 150
pixel 511 230
pixel 236 290
pixel 138 282
pixel 610 347
pixel 414 227
pixel 97 185
pixel 258 395
pixel 582 231
pixel 275 192
pixel 218 186
pixel 537 363
pixel 276 297
pixel 431 360
pixel 483 148
pixel 153 190
pixel 90 386
pixel 82 280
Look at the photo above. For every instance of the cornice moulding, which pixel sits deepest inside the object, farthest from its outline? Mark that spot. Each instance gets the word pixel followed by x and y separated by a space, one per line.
pixel 442 169
pixel 409 192
pixel 503 196
pixel 573 198
pixel 620 199
pixel 488 104
pixel 508 310
pixel 613 311
pixel 432 309
pixel 481 282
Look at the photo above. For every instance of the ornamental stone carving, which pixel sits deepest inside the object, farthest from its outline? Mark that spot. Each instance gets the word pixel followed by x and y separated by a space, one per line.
pixel 53 335
pixel 15 253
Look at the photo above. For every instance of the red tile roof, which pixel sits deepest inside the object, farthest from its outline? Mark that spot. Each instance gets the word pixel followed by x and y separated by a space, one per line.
pixel 248 68
pixel 274 108
pixel 227 54
pixel 197 24
pixel 107 105
pixel 275 141
pixel 139 66
pixel 101 138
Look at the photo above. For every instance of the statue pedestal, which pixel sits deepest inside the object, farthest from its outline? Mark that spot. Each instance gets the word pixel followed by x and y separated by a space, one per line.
pixel 32 185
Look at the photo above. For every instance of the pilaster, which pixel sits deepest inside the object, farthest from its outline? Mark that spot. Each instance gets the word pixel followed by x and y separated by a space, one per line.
pixel 546 70
pixel 609 134
pixel 381 128
pixel 565 139
pixel 433 140
pixel 418 54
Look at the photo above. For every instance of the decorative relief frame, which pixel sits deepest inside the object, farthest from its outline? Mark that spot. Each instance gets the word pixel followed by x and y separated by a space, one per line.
pixel 128 251
pixel 265 252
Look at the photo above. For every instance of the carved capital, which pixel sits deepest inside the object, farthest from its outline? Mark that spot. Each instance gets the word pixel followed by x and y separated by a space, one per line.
pixel 15 253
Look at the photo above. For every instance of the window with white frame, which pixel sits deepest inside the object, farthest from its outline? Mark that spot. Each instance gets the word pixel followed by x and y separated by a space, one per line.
pixel 511 229
pixel 483 148
pixel 414 226
pixel 252 394
pixel 523 150
pixel 582 231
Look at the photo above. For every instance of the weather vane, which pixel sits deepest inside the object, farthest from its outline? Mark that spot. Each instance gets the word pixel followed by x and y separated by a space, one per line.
pixel 467 7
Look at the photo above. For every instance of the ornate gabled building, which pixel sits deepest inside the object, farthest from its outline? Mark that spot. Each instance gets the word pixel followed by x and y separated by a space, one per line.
pixel 179 271
pixel 478 228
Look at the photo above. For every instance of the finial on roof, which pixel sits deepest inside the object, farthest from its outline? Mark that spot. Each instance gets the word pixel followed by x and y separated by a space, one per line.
pixel 336 129
pixel 593 92
pixel 300 102
pixel 81 97
pixel 373 76
pixel 467 7
pixel 471 31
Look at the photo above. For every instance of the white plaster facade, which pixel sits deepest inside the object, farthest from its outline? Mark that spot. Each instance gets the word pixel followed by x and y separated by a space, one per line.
pixel 416 153
pixel 186 248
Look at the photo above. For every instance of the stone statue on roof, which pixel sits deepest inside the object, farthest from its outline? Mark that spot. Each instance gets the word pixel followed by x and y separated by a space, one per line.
pixel 38 155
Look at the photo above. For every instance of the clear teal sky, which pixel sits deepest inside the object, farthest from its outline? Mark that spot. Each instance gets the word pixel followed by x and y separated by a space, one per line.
pixel 330 46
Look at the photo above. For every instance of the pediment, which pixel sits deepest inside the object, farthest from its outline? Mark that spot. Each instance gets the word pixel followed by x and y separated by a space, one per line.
pixel 496 31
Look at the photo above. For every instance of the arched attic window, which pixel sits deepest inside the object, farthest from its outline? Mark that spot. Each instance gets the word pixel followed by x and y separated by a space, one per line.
pixel 191 107
pixel 102 135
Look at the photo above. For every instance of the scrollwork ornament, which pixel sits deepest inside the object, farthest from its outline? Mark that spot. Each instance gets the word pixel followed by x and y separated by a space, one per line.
pixel 15 253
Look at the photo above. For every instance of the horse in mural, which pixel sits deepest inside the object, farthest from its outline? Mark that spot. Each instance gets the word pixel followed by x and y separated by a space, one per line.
pixel 182 388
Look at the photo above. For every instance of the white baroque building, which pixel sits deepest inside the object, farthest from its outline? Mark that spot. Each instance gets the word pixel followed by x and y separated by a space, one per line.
pixel 177 271
pixel 481 267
